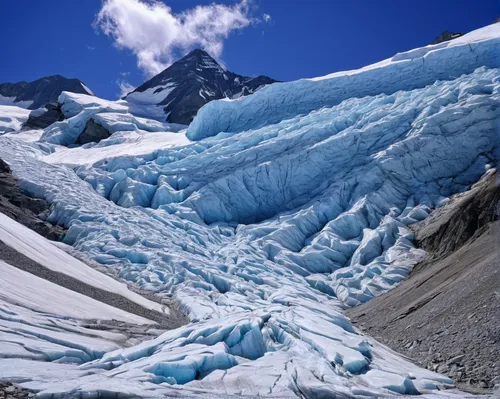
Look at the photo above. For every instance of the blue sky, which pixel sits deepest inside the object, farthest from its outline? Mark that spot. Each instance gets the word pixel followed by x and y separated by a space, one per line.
pixel 303 38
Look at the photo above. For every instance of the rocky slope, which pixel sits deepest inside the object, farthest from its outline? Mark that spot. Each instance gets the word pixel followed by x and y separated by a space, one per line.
pixel 188 84
pixel 446 316
pixel 36 94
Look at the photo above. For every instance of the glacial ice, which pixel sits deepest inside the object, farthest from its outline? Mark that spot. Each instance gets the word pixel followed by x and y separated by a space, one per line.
pixel 266 230
pixel 335 188
pixel 41 321
pixel 115 116
pixel 405 71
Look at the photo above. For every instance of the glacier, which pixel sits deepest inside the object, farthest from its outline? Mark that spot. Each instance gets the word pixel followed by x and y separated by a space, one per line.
pixel 264 220
pixel 405 71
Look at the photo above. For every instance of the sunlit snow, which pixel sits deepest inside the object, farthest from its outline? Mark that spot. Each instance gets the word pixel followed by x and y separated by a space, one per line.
pixel 12 118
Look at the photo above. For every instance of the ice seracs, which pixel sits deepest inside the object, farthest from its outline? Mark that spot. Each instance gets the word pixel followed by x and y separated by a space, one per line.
pixel 405 71
pixel 81 111
pixel 270 223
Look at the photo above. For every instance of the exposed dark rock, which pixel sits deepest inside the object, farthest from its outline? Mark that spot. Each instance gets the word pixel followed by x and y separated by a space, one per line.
pixel 192 82
pixel 4 167
pixel 450 304
pixel 450 227
pixel 446 36
pixel 43 117
pixel 42 91
pixel 10 391
pixel 28 211
pixel 93 133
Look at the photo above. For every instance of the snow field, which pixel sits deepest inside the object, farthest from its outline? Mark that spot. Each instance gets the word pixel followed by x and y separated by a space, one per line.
pixel 42 251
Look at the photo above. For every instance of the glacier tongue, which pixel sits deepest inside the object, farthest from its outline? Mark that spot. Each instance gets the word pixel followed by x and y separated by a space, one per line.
pixel 266 236
pixel 330 192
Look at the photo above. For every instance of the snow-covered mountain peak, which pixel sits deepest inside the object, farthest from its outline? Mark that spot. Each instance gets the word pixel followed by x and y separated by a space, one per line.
pixel 191 82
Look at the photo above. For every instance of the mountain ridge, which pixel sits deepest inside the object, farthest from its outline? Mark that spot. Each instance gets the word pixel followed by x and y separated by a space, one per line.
pixel 39 92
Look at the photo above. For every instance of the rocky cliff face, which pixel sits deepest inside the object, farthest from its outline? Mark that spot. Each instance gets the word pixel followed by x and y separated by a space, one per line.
pixel 188 84
pixel 36 94
pixel 93 133
pixel 43 117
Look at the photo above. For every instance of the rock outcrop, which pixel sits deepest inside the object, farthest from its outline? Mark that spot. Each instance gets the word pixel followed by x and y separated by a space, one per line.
pixel 43 117
pixel 446 36
pixel 93 133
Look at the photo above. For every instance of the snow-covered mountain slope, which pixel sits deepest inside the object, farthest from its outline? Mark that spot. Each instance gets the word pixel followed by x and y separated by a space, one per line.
pixel 53 258
pixel 26 290
pixel 36 94
pixel 193 81
pixel 12 118
pixel 265 236
pixel 405 71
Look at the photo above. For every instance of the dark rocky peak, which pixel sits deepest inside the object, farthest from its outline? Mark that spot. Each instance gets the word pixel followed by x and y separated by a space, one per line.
pixel 446 36
pixel 201 57
pixel 38 93
pixel 191 82
pixel 43 117
pixel 193 63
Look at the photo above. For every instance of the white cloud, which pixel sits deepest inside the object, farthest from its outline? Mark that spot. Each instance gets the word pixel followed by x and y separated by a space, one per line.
pixel 125 87
pixel 91 48
pixel 266 18
pixel 155 34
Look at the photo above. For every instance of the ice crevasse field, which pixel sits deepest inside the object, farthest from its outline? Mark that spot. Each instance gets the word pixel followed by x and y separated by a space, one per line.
pixel 264 219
